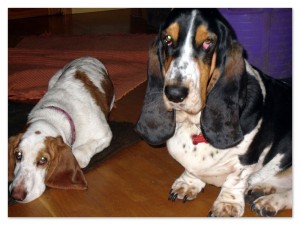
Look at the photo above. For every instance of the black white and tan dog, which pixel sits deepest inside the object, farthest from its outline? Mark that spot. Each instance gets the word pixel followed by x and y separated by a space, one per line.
pixel 64 130
pixel 224 121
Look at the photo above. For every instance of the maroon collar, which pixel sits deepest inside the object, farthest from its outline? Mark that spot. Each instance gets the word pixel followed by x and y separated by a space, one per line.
pixel 71 122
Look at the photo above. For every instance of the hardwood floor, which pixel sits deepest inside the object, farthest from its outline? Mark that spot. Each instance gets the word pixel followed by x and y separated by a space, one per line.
pixel 136 181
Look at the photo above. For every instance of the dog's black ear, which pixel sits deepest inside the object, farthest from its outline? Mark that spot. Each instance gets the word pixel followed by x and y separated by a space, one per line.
pixel 155 125
pixel 220 119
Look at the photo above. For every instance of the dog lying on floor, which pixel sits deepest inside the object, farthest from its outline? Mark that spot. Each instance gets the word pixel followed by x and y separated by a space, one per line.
pixel 70 120
pixel 224 121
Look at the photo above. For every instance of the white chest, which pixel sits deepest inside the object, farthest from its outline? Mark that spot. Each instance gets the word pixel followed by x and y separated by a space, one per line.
pixel 203 160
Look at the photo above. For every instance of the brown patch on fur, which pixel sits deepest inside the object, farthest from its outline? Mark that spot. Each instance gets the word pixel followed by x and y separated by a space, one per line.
pixel 235 62
pixel 37 132
pixel 201 35
pixel 63 169
pixel 213 74
pixel 213 63
pixel 173 30
pixel 214 77
pixel 204 78
pixel 209 75
pixel 13 143
pixel 103 100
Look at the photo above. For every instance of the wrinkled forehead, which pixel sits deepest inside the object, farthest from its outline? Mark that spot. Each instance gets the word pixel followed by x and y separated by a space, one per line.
pixel 200 24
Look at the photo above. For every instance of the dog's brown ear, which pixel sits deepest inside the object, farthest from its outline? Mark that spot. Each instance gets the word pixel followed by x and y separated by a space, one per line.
pixel 63 169
pixel 13 143
pixel 220 119
pixel 155 125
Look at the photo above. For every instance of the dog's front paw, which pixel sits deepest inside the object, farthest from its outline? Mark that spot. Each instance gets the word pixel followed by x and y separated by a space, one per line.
pixel 262 199
pixel 226 209
pixel 264 206
pixel 184 191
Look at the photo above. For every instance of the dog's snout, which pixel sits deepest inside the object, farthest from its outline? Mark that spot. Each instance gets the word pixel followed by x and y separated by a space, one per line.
pixel 19 194
pixel 176 93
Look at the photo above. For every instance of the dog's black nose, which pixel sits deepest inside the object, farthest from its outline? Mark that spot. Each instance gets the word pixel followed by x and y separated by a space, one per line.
pixel 176 93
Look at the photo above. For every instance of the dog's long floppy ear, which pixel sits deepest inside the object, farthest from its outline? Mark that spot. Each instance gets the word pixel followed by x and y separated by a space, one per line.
pixel 155 125
pixel 63 170
pixel 220 119
pixel 13 142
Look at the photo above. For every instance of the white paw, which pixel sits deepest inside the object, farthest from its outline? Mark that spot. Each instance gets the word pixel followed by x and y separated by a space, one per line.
pixel 265 206
pixel 183 190
pixel 226 209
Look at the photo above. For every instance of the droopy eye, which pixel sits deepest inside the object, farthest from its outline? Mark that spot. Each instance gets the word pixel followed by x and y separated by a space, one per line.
pixel 18 155
pixel 43 160
pixel 206 44
pixel 168 40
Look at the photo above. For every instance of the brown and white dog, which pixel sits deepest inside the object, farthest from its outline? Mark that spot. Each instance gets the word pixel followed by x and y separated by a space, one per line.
pixel 70 120
pixel 225 122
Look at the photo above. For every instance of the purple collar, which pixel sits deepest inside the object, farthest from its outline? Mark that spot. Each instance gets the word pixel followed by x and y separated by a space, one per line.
pixel 71 122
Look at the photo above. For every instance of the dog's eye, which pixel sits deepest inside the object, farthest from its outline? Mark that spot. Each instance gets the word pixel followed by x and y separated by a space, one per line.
pixel 43 160
pixel 207 43
pixel 168 40
pixel 18 156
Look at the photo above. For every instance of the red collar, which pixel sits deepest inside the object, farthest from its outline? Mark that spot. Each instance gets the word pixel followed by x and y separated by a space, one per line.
pixel 198 138
pixel 71 122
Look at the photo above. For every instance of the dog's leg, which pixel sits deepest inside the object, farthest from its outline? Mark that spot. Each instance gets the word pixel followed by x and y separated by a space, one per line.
pixel 273 194
pixel 230 202
pixel 83 153
pixel 269 205
pixel 266 172
pixel 186 187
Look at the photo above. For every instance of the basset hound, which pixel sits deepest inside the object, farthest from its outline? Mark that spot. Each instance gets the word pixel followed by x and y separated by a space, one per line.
pixel 64 130
pixel 224 121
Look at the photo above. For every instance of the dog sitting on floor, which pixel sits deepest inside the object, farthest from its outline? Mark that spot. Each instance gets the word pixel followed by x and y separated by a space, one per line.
pixel 64 130
pixel 225 122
